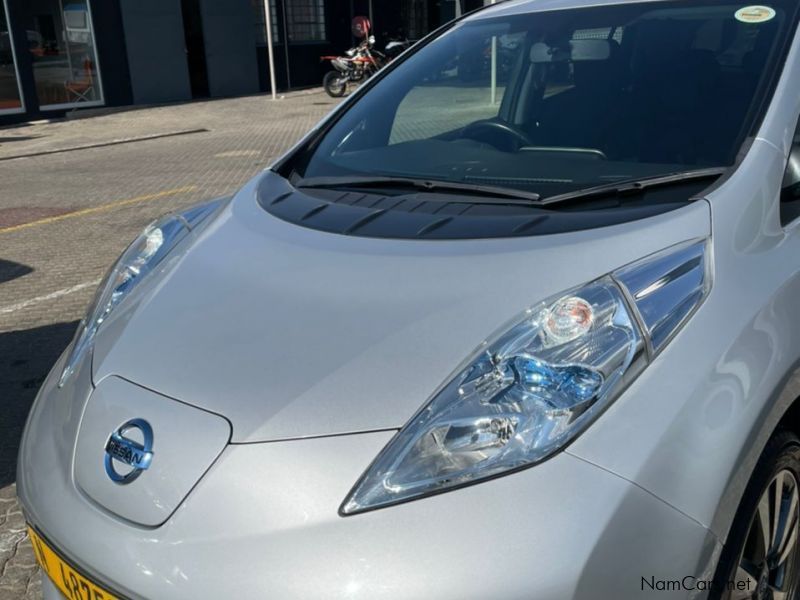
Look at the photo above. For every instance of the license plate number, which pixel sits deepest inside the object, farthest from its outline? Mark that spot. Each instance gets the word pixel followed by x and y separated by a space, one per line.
pixel 66 578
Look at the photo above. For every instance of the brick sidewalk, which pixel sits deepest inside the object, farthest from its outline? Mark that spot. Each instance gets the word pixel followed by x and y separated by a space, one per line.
pixel 115 124
pixel 65 217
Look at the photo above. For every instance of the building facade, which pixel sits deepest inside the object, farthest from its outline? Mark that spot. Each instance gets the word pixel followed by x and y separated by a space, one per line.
pixel 63 55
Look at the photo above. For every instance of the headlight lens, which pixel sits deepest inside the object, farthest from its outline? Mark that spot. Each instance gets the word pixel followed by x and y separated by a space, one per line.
pixel 139 259
pixel 526 393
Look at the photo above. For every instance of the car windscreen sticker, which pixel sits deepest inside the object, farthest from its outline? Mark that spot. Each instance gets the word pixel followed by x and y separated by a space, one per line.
pixel 755 14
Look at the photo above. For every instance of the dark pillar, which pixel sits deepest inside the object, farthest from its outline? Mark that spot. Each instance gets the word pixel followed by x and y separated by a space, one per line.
pixel 230 47
pixel 154 37
pixel 16 24
pixel 112 56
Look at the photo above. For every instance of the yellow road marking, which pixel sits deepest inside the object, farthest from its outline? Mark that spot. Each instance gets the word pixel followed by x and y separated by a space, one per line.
pixel 100 209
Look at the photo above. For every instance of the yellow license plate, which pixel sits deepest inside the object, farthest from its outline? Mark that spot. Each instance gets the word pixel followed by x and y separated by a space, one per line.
pixel 66 578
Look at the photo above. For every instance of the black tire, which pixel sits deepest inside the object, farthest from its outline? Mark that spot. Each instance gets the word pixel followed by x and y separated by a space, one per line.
pixel 778 464
pixel 335 84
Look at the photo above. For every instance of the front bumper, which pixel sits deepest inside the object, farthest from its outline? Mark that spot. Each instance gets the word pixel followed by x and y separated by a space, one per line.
pixel 263 523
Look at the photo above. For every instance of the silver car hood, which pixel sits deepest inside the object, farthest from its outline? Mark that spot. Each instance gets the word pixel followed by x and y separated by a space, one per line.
pixel 290 332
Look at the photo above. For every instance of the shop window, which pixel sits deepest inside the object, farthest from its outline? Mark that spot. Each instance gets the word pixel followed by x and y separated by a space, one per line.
pixel 260 22
pixel 62 47
pixel 305 20
pixel 414 14
pixel 10 97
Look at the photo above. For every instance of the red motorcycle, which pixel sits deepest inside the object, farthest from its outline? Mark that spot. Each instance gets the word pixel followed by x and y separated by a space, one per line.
pixel 356 65
pixel 360 62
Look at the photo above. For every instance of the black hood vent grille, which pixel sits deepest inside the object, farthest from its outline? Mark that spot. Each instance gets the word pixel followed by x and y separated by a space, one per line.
pixel 428 216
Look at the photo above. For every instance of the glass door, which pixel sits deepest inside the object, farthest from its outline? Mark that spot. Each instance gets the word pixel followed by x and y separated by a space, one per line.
pixel 62 47
pixel 10 93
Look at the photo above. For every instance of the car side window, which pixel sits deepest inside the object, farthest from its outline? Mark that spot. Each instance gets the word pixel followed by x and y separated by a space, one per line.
pixel 790 195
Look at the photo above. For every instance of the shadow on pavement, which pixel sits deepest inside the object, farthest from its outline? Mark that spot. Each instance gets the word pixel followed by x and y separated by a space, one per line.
pixel 11 270
pixel 18 138
pixel 25 359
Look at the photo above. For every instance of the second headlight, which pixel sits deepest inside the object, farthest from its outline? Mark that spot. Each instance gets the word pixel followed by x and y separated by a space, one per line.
pixel 531 389
pixel 139 259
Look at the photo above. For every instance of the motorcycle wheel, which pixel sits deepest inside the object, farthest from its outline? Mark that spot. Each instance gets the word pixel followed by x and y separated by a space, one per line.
pixel 335 84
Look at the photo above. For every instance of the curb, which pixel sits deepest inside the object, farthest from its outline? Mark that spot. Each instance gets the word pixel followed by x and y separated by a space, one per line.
pixel 141 138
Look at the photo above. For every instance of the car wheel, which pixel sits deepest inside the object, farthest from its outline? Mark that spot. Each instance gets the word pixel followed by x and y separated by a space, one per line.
pixel 760 559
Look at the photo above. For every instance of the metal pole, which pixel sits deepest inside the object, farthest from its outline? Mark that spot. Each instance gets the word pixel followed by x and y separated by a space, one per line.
pixel 494 64
pixel 286 46
pixel 494 69
pixel 371 22
pixel 271 57
pixel 66 40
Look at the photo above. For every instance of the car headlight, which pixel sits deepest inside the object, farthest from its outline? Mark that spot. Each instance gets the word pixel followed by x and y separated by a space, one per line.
pixel 528 391
pixel 139 259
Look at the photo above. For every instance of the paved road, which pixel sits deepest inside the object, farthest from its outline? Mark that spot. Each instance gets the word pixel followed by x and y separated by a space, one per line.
pixel 66 215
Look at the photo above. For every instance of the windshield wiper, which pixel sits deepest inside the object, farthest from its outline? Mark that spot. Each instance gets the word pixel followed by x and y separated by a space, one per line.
pixel 635 186
pixel 489 194
pixel 501 195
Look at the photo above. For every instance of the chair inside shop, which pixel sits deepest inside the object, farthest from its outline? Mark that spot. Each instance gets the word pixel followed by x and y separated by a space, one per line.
pixel 81 90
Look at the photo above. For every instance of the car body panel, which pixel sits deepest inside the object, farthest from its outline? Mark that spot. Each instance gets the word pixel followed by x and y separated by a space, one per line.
pixel 516 7
pixel 725 382
pixel 50 591
pixel 318 334
pixel 258 543
pixel 186 442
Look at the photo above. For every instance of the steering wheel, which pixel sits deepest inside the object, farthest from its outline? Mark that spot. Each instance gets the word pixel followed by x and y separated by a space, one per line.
pixel 503 136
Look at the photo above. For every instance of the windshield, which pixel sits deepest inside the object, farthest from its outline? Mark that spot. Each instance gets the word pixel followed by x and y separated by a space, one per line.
pixel 558 101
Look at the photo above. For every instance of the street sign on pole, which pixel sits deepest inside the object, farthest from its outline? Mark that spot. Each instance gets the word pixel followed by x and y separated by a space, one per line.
pixel 270 56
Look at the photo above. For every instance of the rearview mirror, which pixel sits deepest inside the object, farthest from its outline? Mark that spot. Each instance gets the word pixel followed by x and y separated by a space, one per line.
pixel 575 51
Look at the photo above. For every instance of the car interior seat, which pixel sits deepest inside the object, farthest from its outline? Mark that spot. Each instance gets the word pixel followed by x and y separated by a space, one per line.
pixel 585 115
